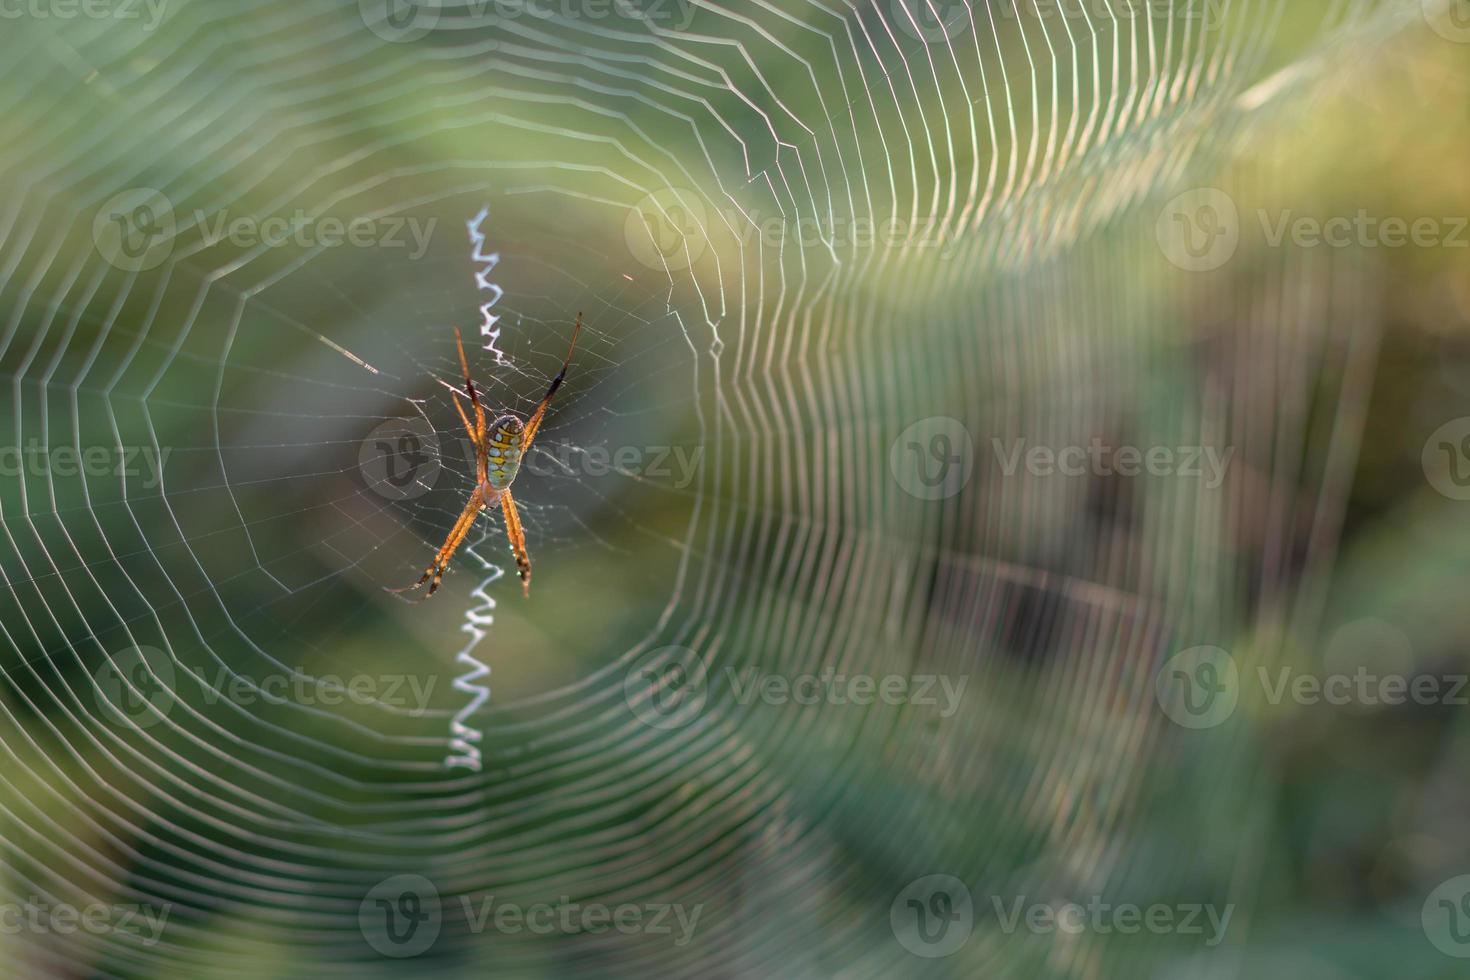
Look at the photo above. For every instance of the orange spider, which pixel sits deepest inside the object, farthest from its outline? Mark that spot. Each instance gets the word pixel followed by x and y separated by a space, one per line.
pixel 498 455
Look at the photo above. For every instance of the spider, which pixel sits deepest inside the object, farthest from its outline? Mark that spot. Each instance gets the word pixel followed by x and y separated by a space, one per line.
pixel 498 453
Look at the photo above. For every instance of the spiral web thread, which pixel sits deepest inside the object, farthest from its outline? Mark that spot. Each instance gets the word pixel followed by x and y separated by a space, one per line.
pixel 464 736
pixel 487 263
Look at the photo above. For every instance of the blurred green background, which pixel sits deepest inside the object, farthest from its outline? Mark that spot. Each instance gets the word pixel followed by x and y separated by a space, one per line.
pixel 820 251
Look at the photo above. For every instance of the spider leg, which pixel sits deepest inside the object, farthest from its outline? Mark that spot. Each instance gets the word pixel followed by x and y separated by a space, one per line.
pixel 517 537
pixel 469 386
pixel 477 431
pixel 466 419
pixel 482 461
pixel 451 545
pixel 535 421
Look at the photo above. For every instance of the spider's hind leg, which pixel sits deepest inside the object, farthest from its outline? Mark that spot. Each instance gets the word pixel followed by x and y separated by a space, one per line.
pixel 456 537
pixel 517 535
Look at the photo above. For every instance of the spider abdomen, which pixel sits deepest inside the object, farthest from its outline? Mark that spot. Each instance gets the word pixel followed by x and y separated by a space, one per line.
pixel 504 451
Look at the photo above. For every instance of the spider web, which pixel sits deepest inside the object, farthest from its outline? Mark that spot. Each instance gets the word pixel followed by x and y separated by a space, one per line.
pixel 796 230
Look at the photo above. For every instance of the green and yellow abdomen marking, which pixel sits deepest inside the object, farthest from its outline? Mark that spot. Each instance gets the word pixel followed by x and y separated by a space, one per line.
pixel 504 454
